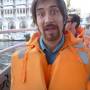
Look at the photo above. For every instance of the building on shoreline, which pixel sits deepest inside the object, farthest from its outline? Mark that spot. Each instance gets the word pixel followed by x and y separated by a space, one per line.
pixel 15 14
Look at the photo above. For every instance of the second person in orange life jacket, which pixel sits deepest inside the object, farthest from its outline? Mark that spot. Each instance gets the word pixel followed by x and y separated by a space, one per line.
pixel 49 61
pixel 75 27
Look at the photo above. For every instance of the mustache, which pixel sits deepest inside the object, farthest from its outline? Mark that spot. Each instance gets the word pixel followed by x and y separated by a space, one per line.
pixel 50 26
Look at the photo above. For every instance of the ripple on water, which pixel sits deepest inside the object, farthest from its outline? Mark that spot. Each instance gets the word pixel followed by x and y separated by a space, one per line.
pixel 6 57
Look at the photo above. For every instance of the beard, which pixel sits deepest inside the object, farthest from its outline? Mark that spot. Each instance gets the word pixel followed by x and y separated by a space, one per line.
pixel 52 36
pixel 52 33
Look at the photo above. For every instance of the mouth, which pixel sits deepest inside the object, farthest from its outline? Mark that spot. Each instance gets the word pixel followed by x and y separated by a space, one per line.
pixel 50 27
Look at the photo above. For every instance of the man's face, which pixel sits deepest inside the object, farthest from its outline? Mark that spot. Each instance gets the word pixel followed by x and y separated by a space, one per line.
pixel 73 24
pixel 49 20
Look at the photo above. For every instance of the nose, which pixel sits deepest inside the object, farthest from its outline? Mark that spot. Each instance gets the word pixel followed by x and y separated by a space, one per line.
pixel 48 19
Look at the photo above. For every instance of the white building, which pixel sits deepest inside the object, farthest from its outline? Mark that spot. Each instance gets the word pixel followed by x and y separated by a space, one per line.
pixel 15 14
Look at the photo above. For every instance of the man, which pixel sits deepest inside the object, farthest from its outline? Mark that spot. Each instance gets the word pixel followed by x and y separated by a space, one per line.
pixel 49 62
pixel 75 28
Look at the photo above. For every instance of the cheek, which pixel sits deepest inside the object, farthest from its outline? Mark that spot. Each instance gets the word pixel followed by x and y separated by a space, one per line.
pixel 61 23
pixel 39 21
pixel 60 20
pixel 39 25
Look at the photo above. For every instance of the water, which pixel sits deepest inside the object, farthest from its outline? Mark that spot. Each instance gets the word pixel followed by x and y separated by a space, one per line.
pixel 6 57
pixel 5 44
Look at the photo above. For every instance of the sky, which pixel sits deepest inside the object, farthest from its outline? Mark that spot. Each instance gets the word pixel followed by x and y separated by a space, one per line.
pixel 83 5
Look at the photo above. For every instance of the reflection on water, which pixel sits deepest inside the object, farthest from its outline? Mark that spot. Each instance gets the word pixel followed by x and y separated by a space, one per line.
pixel 5 44
pixel 5 58
pixel 2 66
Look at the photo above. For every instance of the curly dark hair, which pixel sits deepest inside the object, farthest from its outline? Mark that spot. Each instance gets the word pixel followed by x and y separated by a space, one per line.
pixel 61 4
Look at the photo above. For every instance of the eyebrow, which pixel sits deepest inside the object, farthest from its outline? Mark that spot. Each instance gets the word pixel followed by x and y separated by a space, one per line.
pixel 38 9
pixel 53 6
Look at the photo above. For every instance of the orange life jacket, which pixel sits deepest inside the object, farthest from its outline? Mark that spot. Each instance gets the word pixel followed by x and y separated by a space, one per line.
pixel 30 70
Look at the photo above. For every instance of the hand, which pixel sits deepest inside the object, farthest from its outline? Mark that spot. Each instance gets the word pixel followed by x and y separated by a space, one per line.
pixel 68 26
pixel 71 27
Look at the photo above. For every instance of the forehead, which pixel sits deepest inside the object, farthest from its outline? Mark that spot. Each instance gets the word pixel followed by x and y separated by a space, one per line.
pixel 46 3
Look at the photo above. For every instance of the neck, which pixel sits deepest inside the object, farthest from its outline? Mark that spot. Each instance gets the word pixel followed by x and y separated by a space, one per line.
pixel 52 44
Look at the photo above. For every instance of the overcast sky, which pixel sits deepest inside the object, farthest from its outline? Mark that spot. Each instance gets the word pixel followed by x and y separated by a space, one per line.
pixel 84 5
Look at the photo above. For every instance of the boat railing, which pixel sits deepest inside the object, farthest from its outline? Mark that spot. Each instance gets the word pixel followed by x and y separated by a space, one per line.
pixel 5 65
pixel 16 30
pixel 12 47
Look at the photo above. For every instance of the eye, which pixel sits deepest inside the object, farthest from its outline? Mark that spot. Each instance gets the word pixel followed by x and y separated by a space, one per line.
pixel 54 11
pixel 40 14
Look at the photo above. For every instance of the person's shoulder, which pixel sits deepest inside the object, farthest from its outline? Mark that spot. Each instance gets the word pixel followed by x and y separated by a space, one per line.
pixel 19 52
pixel 22 51
pixel 80 28
pixel 81 51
